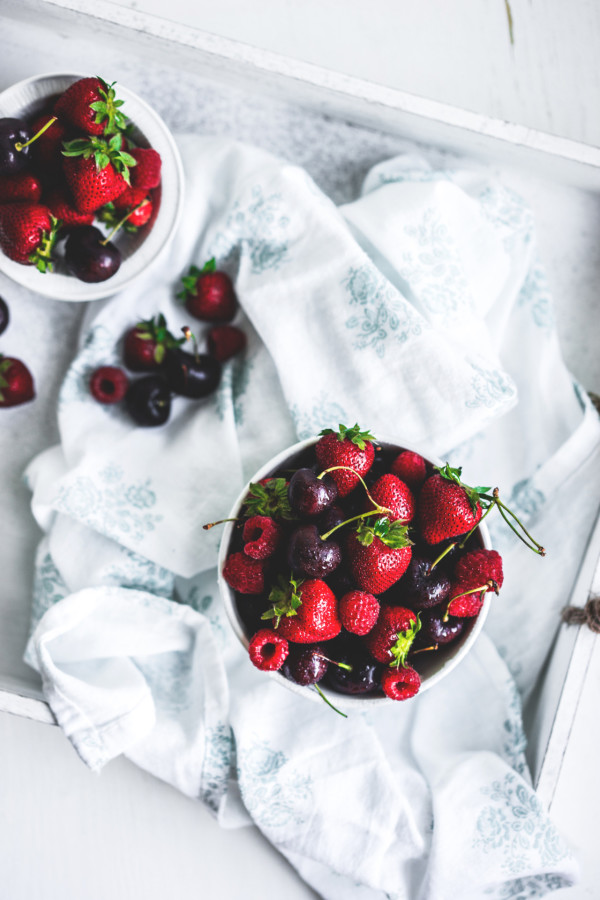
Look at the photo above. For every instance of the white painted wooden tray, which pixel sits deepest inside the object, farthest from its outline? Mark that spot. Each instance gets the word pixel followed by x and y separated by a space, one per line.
pixel 573 168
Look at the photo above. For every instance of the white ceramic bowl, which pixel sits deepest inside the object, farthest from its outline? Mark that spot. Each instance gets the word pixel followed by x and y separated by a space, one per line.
pixel 27 99
pixel 432 670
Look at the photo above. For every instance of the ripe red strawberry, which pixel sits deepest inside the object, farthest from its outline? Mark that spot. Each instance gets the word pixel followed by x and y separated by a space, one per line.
pixel 225 341
pixel 109 384
pixel 16 382
pixel 23 186
pixel 358 611
pixel 349 447
pixel 393 635
pixel 393 494
pixel 146 174
pixel 61 207
pixel 268 650
pixel 476 573
pixel 378 554
pixel 304 611
pixel 262 535
pixel 208 294
pixel 244 574
pixel 28 234
pixel 410 467
pixel 400 684
pixel 92 187
pixel 91 106
pixel 146 344
pixel 447 507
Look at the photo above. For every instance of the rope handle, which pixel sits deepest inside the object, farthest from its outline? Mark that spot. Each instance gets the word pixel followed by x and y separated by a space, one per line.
pixel 584 615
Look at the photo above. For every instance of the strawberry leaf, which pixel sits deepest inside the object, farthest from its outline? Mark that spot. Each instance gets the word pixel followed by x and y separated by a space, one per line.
pixel 475 495
pixel 270 499
pixel 354 434
pixel 210 266
pixel 392 534
pixel 285 599
pixel 403 643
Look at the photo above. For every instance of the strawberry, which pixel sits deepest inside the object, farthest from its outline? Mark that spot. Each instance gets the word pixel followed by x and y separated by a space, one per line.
pixel 130 218
pixel 146 174
pixel 358 611
pixel 23 186
pixel 28 233
pixel 304 611
pixel 208 294
pixel 146 344
pixel 262 535
pixel 244 574
pixel 410 467
pixel 475 574
pixel 400 684
pixel 225 341
pixel 447 507
pixel 61 207
pixel 348 448
pixel 268 650
pixel 16 382
pixel 91 106
pixel 395 496
pixel 97 171
pixel 269 497
pixel 378 554
pixel 392 637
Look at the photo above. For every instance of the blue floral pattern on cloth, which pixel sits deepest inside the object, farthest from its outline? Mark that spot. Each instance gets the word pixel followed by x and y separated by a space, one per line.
pixel 205 604
pixel 535 296
pixel 515 741
pixel 310 422
pixel 434 270
pixel 525 499
pixel 218 760
pixel 110 505
pixel 528 888
pixel 48 588
pixel 515 823
pixel 169 678
pixel 267 782
pixel 138 573
pixel 259 228
pixel 489 387
pixel 381 313
pixel 233 387
pixel 98 349
pixel 412 174
pixel 505 209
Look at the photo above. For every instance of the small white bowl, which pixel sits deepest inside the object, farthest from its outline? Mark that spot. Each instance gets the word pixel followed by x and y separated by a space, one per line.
pixel 437 667
pixel 27 99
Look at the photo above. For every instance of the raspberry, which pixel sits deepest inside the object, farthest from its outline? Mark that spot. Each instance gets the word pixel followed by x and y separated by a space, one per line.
pixel 358 611
pixel 410 467
pixel 244 574
pixel 109 384
pixel 401 683
pixel 262 535
pixel 478 567
pixel 146 173
pixel 225 341
pixel 268 650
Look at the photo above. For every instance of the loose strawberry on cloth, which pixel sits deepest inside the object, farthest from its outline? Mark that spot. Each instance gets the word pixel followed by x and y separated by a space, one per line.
pixel 420 321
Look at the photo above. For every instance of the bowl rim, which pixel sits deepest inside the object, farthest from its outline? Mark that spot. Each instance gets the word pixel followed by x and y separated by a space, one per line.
pixel 344 702
pixel 154 247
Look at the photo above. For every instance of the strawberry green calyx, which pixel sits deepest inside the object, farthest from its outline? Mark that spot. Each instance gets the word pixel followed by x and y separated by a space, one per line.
pixel 42 257
pixel 104 151
pixel 403 644
pixel 190 281
pixel 392 534
pixel 108 107
pixel 5 365
pixel 116 220
pixel 156 330
pixel 475 494
pixel 269 499
pixel 354 434
pixel 285 600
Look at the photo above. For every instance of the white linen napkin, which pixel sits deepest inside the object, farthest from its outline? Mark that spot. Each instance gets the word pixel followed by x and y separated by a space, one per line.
pixel 419 311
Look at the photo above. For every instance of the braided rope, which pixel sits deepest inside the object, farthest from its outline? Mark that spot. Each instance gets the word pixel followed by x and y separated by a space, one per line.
pixel 584 615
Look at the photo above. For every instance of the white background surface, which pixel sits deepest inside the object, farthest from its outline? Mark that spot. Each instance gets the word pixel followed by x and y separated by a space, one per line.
pixel 65 833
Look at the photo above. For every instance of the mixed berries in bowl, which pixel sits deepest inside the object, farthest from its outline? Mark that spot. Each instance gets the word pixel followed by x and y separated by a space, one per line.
pixel 359 570
pixel 90 186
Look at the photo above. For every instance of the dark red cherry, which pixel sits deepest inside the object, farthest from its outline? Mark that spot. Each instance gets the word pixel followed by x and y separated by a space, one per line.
pixel 4 316
pixel 435 631
pixel 363 679
pixel 310 495
pixel 88 257
pixel 13 157
pixel 148 401
pixel 308 555
pixel 305 665
pixel 421 588
pixel 192 375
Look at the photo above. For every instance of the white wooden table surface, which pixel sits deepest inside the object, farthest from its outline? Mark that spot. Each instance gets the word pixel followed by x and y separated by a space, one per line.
pixel 65 833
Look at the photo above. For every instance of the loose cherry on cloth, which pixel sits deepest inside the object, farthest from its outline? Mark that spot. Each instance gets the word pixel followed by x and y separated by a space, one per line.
pixel 133 502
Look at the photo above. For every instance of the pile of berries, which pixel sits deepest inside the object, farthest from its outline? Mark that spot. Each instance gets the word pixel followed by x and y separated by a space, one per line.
pixel 359 564
pixel 76 162
pixel 150 348
pixel 16 381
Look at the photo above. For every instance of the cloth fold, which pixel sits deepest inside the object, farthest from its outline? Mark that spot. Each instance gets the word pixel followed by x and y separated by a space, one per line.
pixel 419 310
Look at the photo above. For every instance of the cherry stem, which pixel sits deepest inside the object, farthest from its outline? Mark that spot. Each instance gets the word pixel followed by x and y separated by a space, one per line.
pixel 190 336
pixel 220 522
pixel 333 662
pixel 502 509
pixel 328 702
pixel 19 146
pixel 121 222
pixel 441 556
pixel 379 510
pixel 353 519
pixel 482 589
pixel 425 649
